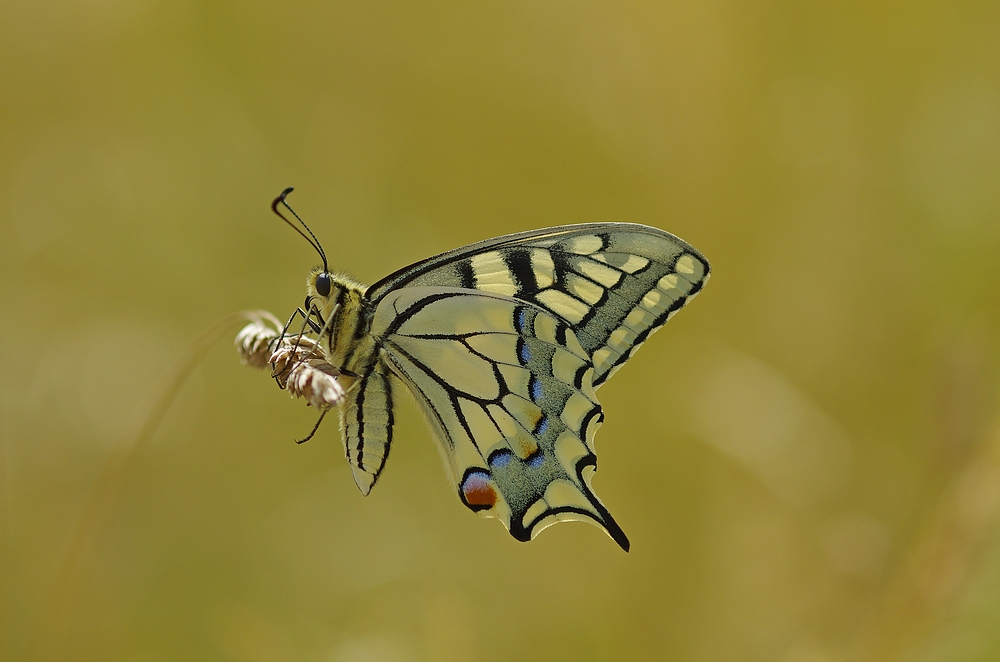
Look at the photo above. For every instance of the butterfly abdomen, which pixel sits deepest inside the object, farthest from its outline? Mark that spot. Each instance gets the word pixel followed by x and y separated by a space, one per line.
pixel 366 420
pixel 366 415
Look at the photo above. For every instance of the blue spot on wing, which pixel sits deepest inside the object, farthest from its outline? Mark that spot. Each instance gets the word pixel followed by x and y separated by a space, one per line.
pixel 535 460
pixel 536 389
pixel 476 479
pixel 521 318
pixel 543 426
pixel 523 352
pixel 500 458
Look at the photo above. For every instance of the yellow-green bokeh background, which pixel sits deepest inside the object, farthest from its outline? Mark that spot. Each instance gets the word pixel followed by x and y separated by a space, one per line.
pixel 805 459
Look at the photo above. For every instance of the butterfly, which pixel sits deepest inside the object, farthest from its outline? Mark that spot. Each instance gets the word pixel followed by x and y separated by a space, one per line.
pixel 504 344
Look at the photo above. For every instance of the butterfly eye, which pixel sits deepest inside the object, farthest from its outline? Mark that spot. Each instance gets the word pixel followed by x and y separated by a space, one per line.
pixel 323 284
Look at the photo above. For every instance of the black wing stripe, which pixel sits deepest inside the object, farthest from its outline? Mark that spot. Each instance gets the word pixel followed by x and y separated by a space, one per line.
pixel 518 261
pixel 390 404
pixel 360 419
pixel 467 275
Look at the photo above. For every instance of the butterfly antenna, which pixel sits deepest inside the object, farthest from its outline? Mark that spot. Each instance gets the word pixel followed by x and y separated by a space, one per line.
pixel 314 242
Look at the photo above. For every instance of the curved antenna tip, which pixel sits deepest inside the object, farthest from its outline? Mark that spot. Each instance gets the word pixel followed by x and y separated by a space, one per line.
pixel 314 242
pixel 281 199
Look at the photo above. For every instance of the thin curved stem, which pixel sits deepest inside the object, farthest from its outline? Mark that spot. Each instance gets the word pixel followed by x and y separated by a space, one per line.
pixel 56 612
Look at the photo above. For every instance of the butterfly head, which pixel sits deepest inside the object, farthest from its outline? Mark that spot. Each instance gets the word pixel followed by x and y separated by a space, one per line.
pixel 334 304
pixel 319 285
pixel 323 290
pixel 327 291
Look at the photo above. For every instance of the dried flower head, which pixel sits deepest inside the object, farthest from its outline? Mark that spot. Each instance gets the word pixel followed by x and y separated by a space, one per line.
pixel 296 362
pixel 289 353
pixel 316 381
pixel 255 341
pixel 298 368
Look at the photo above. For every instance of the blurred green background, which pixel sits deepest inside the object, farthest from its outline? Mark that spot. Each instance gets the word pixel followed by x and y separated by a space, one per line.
pixel 806 460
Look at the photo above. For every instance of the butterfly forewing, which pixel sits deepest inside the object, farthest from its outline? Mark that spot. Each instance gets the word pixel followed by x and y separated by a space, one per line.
pixel 613 283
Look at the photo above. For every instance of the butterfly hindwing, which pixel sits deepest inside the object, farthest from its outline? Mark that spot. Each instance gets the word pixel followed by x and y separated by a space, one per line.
pixel 508 389
pixel 613 283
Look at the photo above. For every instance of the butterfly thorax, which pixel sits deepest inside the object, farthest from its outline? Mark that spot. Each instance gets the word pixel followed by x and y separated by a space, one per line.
pixel 347 342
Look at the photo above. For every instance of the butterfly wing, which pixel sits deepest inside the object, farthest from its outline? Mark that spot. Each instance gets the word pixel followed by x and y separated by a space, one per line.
pixel 613 283
pixel 508 390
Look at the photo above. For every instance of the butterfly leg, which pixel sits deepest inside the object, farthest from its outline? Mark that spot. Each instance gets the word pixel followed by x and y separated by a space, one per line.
pixel 306 319
pixel 312 433
pixel 327 328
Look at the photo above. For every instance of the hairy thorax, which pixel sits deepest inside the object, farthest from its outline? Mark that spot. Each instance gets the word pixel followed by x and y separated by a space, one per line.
pixel 347 342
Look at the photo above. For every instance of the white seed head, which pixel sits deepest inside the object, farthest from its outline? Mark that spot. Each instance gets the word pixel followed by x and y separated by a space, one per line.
pixel 289 353
pixel 316 381
pixel 298 366
pixel 297 363
pixel 254 342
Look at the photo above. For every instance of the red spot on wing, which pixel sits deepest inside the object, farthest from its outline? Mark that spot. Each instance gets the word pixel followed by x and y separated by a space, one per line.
pixel 478 491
